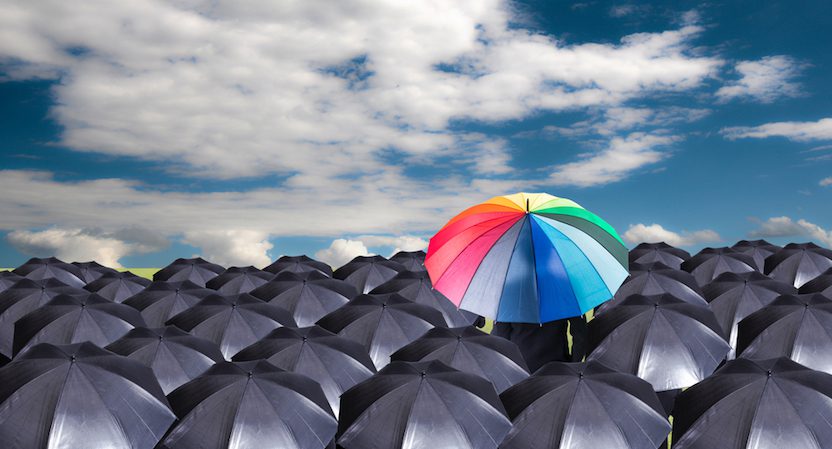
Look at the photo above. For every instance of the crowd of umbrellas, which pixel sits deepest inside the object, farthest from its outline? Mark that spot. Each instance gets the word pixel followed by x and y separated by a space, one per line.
pixel 370 356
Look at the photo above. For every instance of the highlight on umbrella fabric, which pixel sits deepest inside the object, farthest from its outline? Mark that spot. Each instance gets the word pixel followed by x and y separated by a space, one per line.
pixel 527 257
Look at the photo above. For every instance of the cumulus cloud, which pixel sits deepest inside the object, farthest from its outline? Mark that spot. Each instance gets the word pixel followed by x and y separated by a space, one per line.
pixel 235 247
pixel 764 80
pixel 786 227
pixel 83 244
pixel 826 182
pixel 341 251
pixel 797 131
pixel 641 233
pixel 400 243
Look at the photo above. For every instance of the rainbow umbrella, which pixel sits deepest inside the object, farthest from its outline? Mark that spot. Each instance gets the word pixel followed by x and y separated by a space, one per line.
pixel 527 258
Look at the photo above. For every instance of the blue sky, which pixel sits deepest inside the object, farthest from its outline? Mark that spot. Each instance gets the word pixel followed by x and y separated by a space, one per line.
pixel 140 132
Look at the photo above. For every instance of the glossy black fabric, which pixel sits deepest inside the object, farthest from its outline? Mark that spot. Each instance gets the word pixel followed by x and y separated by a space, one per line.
pixel 822 284
pixel 658 252
pixel 162 300
pixel 547 342
pixel 117 286
pixel 655 279
pixel 9 278
pixel 709 263
pixel 197 270
pixel 298 264
pixel 417 287
pixel 92 270
pixel 368 272
pixel 411 260
pixel 309 295
pixel 236 280
pixel 798 263
pixel 758 249
pixel 51 267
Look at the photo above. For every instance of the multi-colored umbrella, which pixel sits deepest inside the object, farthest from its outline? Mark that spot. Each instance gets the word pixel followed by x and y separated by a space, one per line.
pixel 527 257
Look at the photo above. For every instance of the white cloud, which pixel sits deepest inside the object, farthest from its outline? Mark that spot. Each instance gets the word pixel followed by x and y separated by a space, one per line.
pixel 400 243
pixel 826 182
pixel 341 251
pixel 786 227
pixel 74 245
pixel 235 247
pixel 654 233
pixel 797 131
pixel 611 121
pixel 764 80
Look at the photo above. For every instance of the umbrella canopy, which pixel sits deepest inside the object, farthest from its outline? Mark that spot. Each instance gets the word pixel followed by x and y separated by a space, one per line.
pixel 470 350
pixel 422 405
pixel 335 362
pixel 798 263
pixel 117 286
pixel 766 404
pixel 656 279
pixel 237 280
pixel 298 264
pixel 709 263
pixel 308 295
pixel 529 258
pixel 233 322
pixel 175 356
pixel 382 324
pixel 161 300
pixel 822 284
pixel 411 260
pixel 584 405
pixel 758 249
pixel 9 278
pixel 51 268
pixel 368 272
pixel 794 326
pixel 250 405
pixel 92 270
pixel 197 270
pixel 80 396
pixel 735 296
pixel 660 338
pixel 67 319
pixel 658 252
pixel 416 286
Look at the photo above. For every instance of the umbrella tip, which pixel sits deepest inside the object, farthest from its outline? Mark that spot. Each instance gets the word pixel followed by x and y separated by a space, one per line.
pixel 527 205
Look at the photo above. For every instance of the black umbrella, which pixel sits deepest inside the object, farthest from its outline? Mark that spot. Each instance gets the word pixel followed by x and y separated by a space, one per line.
pixel 51 268
pixel 197 270
pixel 794 326
pixel 382 324
pixel 584 405
pixel 80 396
pixel 335 362
pixel 656 279
pixel 658 252
pixel 118 286
pixel 417 287
pixel 411 260
pixel 422 405
pixel 470 350
pixel 735 296
pixel 662 339
pixel 69 319
pixel 709 263
pixel 233 322
pixel 92 270
pixel 250 405
pixel 161 301
pixel 298 264
pixel 798 263
pixel 308 295
pixel 767 404
pixel 820 284
pixel 368 272
pixel 237 280
pixel 175 356
pixel 758 249
pixel 7 279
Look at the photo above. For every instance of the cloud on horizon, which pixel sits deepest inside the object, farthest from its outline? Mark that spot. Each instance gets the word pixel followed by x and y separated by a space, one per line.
pixel 654 233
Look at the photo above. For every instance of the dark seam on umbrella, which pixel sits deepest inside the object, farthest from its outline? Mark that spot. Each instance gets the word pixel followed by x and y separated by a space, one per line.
pixel 126 438
pixel 617 426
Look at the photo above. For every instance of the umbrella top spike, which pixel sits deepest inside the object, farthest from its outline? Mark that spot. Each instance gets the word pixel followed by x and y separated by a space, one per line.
pixel 527 205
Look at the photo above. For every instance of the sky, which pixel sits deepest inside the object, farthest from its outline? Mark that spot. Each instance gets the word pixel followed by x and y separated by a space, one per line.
pixel 133 133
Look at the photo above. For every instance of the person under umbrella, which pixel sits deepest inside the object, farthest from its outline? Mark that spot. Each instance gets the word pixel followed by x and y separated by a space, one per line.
pixel 80 396
pixel 309 295
pixel 758 249
pixel 250 405
pixel 368 272
pixel 197 270
pixel 51 268
pixel 335 362
pixel 822 284
pixel 584 405
pixel 424 404
pixel 709 263
pixel 798 263
pixel 298 264
pixel 236 280
pixel 411 260
pixel 117 286
pixel 646 253
pixel 656 279
pixel 92 270
pixel 161 300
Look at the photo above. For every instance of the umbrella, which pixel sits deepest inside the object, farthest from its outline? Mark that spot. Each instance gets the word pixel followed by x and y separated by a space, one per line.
pixel 758 249
pixel 175 356
pixel 335 362
pixel 117 286
pixel 80 396
pixel 794 326
pixel 798 263
pixel 422 405
pixel 197 270
pixel 411 260
pixel 250 405
pixel 584 405
pixel 655 279
pixel 709 263
pixel 529 258
pixel 39 269
pixel 298 264
pixel 308 295
pixel 658 252
pixel 416 286
pixel 822 284
pixel 660 338
pixel 24 297
pixel 233 322
pixel 69 319
pixel 368 272
pixel 92 270
pixel 767 404
pixel 161 300
pixel 237 280
pixel 8 278
pixel 735 296
pixel 382 324
pixel 469 350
